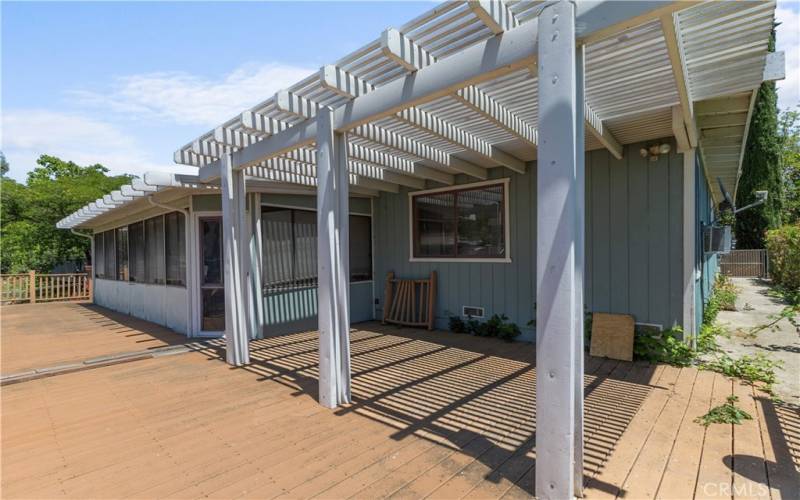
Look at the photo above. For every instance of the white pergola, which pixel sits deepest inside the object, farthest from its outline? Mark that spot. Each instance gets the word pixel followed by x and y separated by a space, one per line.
pixel 466 87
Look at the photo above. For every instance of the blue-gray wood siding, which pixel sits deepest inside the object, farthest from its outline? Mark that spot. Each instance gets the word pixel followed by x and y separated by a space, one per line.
pixel 296 310
pixel 633 245
pixel 706 264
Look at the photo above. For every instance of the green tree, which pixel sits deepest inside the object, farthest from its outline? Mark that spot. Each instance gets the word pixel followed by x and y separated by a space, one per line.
pixel 760 170
pixel 789 135
pixel 54 189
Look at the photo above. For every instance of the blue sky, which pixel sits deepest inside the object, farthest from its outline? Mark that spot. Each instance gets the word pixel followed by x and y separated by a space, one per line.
pixel 126 84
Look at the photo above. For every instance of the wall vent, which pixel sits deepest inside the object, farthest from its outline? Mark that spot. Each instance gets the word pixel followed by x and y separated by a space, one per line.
pixel 472 312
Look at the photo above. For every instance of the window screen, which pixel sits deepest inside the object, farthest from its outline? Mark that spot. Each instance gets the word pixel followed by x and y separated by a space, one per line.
pixel 290 248
pixel 136 247
pixel 122 253
pixel 109 255
pixel 175 243
pixel 360 248
pixel 154 250
pixel 98 260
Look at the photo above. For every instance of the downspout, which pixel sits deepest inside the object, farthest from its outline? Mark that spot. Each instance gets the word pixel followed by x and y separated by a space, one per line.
pixel 187 243
pixel 91 243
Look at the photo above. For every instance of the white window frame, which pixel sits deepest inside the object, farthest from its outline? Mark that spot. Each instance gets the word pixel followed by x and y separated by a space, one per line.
pixel 460 187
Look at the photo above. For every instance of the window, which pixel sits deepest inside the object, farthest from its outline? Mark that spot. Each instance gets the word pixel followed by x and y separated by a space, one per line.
pixel 464 223
pixel 109 256
pixel 175 243
pixel 290 248
pixel 360 248
pixel 122 253
pixel 137 253
pixel 154 250
pixel 98 259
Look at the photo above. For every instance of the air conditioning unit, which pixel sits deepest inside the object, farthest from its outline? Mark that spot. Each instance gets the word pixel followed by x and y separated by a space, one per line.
pixel 717 239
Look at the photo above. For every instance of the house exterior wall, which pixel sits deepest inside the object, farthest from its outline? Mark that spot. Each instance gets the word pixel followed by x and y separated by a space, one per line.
pixel 706 264
pixel 296 310
pixel 633 245
pixel 162 304
pixel 634 235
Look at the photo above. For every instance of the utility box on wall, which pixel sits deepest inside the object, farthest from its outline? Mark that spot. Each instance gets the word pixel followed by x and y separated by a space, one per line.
pixel 717 239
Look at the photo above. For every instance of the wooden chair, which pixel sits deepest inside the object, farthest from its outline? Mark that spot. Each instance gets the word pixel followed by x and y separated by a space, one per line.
pixel 410 302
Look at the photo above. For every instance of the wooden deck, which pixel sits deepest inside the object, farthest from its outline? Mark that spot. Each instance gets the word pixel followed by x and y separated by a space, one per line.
pixel 435 414
pixel 48 334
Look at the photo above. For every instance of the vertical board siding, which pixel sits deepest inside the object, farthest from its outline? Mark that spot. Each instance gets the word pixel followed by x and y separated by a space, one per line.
pixel 292 311
pixel 633 245
pixel 706 265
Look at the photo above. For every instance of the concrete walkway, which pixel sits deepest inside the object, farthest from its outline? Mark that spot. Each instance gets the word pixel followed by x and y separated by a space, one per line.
pixel 754 308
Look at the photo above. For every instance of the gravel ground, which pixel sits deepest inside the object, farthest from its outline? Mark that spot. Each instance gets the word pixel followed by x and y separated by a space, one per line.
pixel 754 307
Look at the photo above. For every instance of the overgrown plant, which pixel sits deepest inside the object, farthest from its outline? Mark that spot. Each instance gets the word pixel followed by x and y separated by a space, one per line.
pixel 751 369
pixel 497 326
pixel 664 347
pixel 725 293
pixel 727 413
pixel 457 325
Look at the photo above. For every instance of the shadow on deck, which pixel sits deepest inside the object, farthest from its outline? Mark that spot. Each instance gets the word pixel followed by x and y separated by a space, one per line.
pixel 468 394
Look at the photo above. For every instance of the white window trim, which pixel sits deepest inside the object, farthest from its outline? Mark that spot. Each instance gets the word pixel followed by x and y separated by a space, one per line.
pixel 458 187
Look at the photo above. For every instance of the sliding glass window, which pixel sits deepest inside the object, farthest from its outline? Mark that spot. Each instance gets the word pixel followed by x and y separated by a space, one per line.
pixel 290 248
pixel 109 256
pixel 122 253
pixel 137 254
pixel 174 231
pixel 98 261
pixel 154 250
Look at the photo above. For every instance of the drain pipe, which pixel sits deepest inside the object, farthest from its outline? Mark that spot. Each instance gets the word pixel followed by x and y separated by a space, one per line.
pixel 187 243
pixel 91 249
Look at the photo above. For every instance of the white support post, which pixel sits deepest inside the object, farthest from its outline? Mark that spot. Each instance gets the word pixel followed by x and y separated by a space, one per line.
pixel 333 263
pixel 256 297
pixel 689 236
pixel 558 286
pixel 580 232
pixel 237 351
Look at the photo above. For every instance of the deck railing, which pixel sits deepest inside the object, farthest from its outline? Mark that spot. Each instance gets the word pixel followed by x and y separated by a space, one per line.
pixel 32 287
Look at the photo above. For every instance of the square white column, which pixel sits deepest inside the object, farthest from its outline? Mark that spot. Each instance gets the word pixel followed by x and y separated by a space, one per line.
pixel 559 287
pixel 333 263
pixel 235 254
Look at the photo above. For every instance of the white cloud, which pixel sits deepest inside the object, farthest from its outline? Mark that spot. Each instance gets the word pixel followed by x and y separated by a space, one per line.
pixel 788 40
pixel 187 99
pixel 27 134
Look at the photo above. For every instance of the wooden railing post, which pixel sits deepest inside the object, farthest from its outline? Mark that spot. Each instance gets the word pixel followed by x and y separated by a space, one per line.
pixel 32 286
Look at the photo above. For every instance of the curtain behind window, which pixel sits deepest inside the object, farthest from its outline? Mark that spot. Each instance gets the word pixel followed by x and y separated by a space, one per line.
pixel 154 250
pixel 174 230
pixel 137 251
pixel 98 259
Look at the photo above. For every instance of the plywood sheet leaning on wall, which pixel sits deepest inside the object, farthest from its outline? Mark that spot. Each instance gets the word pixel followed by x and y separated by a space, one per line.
pixel 612 336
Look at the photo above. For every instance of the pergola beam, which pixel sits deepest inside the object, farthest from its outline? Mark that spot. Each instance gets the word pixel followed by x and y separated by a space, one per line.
pixel 403 144
pixel 495 14
pixel 480 62
pixel 601 133
pixel 454 135
pixel 670 30
pixel 413 57
pixel 301 106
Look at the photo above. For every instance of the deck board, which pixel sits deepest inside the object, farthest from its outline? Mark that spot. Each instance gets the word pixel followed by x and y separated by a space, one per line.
pixel 435 415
